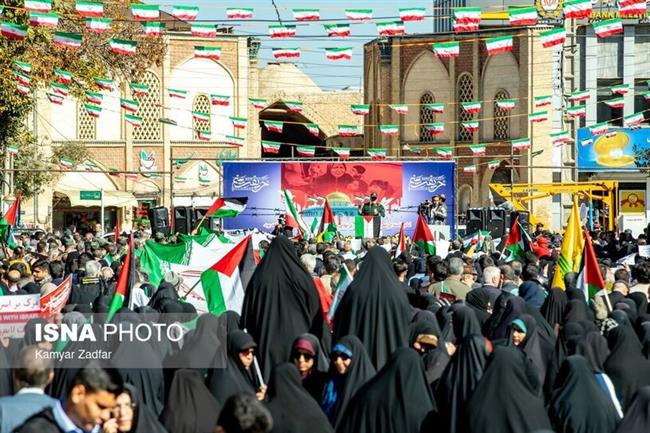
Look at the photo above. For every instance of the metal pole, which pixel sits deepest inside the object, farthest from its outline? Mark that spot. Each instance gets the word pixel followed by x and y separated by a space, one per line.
pixel 101 191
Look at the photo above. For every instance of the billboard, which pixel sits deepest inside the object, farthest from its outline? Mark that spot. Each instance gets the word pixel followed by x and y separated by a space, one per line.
pixel 611 151
pixel 400 186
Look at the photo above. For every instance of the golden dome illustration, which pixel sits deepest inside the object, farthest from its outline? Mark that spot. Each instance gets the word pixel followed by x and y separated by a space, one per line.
pixel 610 151
pixel 338 197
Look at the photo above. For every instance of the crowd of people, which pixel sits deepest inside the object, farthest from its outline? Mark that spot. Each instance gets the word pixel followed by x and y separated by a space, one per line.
pixel 472 343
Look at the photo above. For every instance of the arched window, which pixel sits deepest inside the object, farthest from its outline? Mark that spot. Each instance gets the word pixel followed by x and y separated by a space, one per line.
pixel 86 124
pixel 201 104
pixel 426 116
pixel 464 93
pixel 150 107
pixel 501 117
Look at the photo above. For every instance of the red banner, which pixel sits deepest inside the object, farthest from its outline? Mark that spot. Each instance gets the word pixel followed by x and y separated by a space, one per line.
pixel 53 302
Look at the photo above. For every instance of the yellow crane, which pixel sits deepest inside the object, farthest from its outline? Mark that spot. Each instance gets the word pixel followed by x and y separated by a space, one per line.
pixel 520 194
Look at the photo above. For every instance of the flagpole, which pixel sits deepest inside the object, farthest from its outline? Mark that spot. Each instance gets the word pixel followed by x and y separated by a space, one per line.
pixel 199 225
pixel 191 289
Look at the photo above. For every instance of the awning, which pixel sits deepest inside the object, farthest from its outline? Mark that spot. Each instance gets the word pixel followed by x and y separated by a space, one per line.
pixel 111 198
pixel 194 201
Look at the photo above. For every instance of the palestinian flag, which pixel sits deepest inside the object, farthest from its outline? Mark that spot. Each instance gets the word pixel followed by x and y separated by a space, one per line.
pixel 231 140
pixel 203 135
pixel 445 152
pixel 313 129
pixel 389 130
pixel 282 31
pixel 239 13
pixel 177 93
pixel 633 119
pixel 306 14
pixel 293 106
pixel 391 28
pixel 412 14
pixel 200 116
pixel 133 120
pixel 478 149
pixel 348 130
pixel 342 152
pixel 345 279
pixel 272 147
pixel 260 104
pixel 337 30
pixel 185 13
pixel 220 100
pixel 39 19
pixel 446 50
pixel 542 101
pixel 125 282
pixel 471 126
pixel 622 89
pixel 552 38
pixel 469 169
pixel 577 9
pixel 273 126
pixel 577 111
pixel 498 45
pixel 435 128
pixel 123 47
pixel 517 242
pixel 12 150
pixel 338 53
pixel 67 40
pixel 607 28
pixel 598 128
pixel 286 53
pixel 93 110
pixel 471 107
pixel 89 9
pixel 560 138
pixel 142 12
pixel 631 8
pixel 360 109
pixel 476 240
pixel 98 25
pixel 224 283
pixel 377 154
pixel 204 30
pixel 212 53
pixel 327 229
pixel 437 108
pixel 308 151
pixel 423 238
pixel 10 220
pixel 38 5
pixel 521 144
pixel 615 102
pixel 60 89
pixel 94 98
pixel 590 280
pixel 104 84
pixel 400 108
pixel 227 207
pixel 401 242
pixel 493 165
pixel 22 78
pixel 358 14
pixel 522 16
pixel 506 104
pixel 25 67
pixel 538 116
pixel 139 89
pixel 294 219
pixel 366 226
pixel 13 31
pixel 54 98
pixel 128 105
pixel 152 28
pixel 579 96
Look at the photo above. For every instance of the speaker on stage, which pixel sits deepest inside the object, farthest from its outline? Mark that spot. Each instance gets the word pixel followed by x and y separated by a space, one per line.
pixel 496 222
pixel 524 219
pixel 183 219
pixel 159 220
pixel 475 220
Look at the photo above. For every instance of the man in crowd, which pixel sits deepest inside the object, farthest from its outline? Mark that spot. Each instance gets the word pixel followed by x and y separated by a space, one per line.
pixel 452 284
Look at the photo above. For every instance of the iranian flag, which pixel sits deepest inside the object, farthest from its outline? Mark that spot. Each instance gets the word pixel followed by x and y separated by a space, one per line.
pixel 517 242
pixel 437 108
pixel 506 104
pixel 272 147
pixel 435 128
pixel 401 242
pixel 139 89
pixel 239 13
pixel 338 53
pixel 25 67
pixel 204 30
pixel 360 109
pixel 133 120
pixel 93 110
pixel 54 98
pixel 152 28
pixel 224 283
pixel 471 107
pixel 306 14
pixel 337 30
pixel 633 119
pixel 587 142
pixel 66 163
pixel 478 149
pixel 286 53
pixel 542 101
pixel 238 122
pixel 125 282
pixel 466 19
pixel 313 129
pixel 377 154
pixel 67 40
pixel 142 12
pixel 469 169
pixel 89 9
pixel 598 128
pixel 39 19
pixel 646 96
pixel 212 53
pixel 552 38
pixel 390 130
pixel 391 28
pixel 23 89
pixel 348 130
pixel 12 150
pixel 471 126
pixel 227 207
pixel 560 138
pixel 498 45
pixel 308 151
pixel 13 31
pixel 60 89
pixel 423 238
pixel 608 27
pixel 365 226
pixel 22 78
pixel 103 83
pixel 521 144
pixel 631 8
pixel 615 102
pixel 38 5
pixel 294 219
pixel 274 126
pixel 203 135
pixel 590 280
pixel 494 164
pixel 446 50
pixel 282 31
pixel 412 14
pixel 622 89
pixel 200 116
pixel 538 116
pixel 94 98
pixel 294 106
pixel 186 13
pixel 358 14
pixel 445 152
pixel 98 25
pixel 577 9
pixel 128 105
pixel 177 93
pixel 342 152
pixel 123 47
pixel 522 16
pixel 220 100
pixel 260 104
pixel 577 111
pixel 579 96
pixel 400 108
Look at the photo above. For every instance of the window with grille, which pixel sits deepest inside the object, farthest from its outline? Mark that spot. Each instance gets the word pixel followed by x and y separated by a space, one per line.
pixel 202 105
pixel 86 124
pixel 501 117
pixel 426 116
pixel 149 110
pixel 465 93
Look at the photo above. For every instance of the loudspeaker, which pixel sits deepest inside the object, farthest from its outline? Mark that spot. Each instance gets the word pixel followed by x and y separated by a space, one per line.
pixel 183 219
pixel 210 223
pixel 496 222
pixel 475 220
pixel 159 220
pixel 524 219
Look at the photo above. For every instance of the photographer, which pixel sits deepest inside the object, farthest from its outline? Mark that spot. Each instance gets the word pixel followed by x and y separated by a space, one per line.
pixel 281 228
pixel 439 210
pixel 424 209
